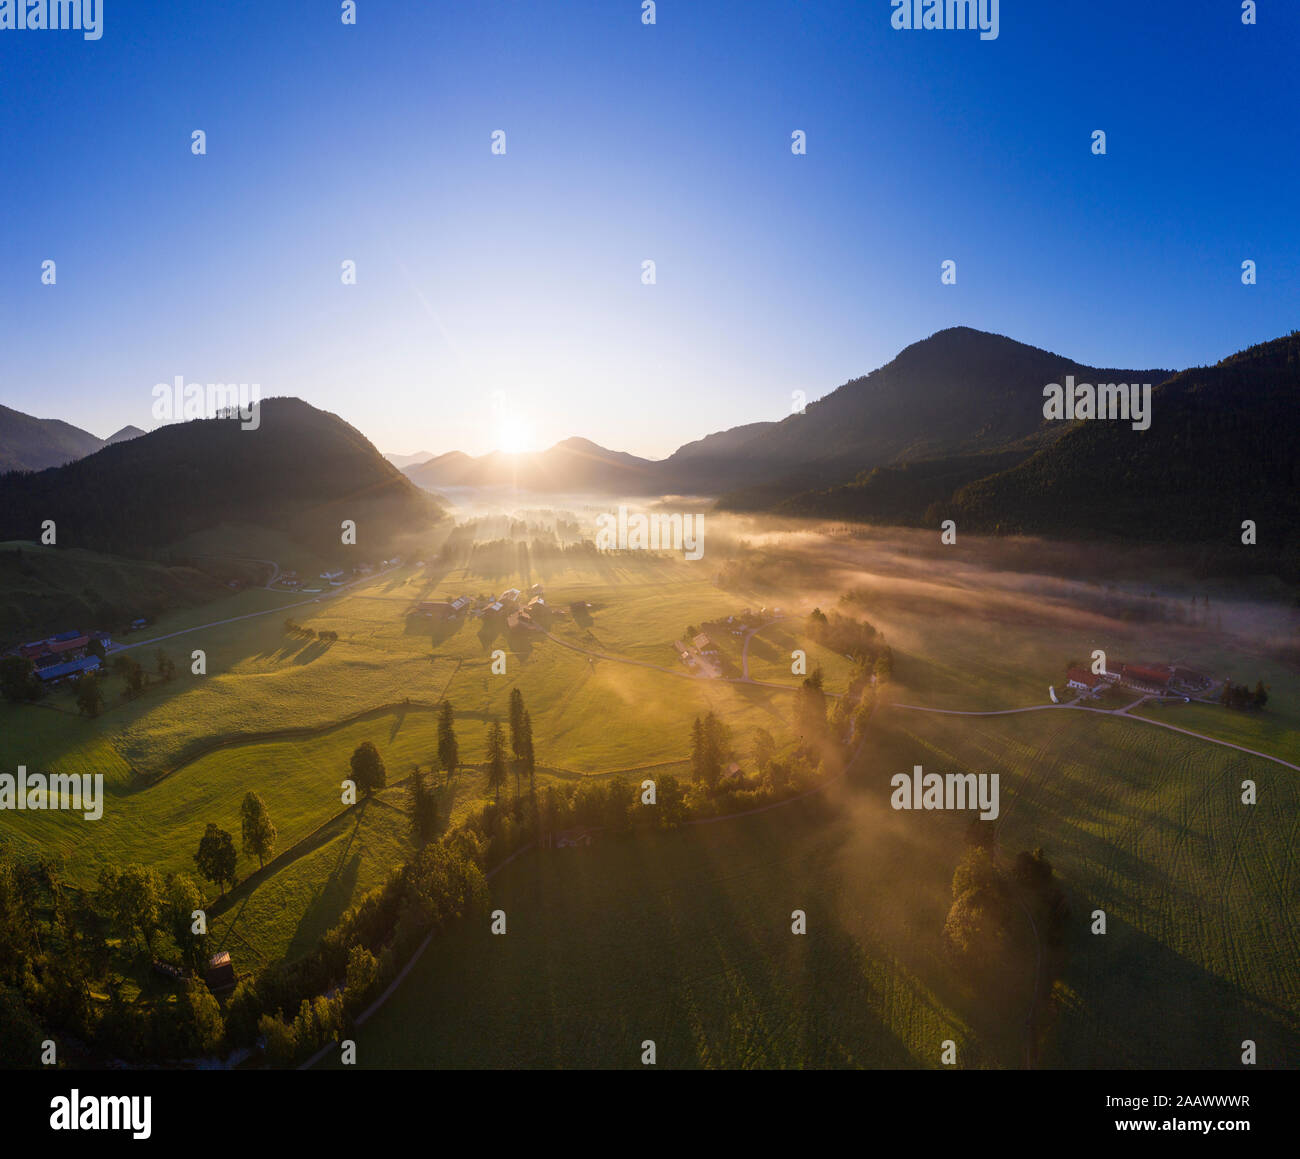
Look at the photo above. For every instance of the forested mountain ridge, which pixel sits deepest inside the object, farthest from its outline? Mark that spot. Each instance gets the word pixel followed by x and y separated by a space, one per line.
pixel 302 471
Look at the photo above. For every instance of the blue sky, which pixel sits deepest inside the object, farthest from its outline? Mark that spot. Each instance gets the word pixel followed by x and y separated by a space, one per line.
pixel 499 298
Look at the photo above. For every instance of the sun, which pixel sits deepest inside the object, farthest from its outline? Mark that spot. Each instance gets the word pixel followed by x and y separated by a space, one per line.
pixel 513 435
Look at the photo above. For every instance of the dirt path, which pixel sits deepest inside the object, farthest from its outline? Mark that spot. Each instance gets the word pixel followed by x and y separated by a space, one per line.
pixel 1121 712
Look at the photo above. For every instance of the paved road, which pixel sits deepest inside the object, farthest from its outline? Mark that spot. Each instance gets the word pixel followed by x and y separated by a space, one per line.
pixel 250 616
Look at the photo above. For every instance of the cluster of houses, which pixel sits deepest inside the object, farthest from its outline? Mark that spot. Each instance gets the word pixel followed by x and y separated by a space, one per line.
pixel 1151 678
pixel 700 655
pixel 66 654
pixel 512 602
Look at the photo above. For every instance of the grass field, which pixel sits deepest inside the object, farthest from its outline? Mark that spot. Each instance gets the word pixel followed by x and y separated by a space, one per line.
pixel 274 712
pixel 684 937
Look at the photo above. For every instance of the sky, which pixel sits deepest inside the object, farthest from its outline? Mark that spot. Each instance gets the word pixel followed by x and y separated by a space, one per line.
pixel 499 299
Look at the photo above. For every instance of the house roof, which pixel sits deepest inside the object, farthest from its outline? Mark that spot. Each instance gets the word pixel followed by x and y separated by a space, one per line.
pixel 1152 673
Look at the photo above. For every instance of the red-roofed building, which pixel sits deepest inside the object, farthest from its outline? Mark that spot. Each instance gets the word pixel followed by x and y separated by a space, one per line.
pixel 1082 679
pixel 1147 677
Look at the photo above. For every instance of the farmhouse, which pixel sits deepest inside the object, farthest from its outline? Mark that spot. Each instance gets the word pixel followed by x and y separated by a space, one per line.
pixel 1146 677
pixel 705 645
pixel 1082 679
pixel 331 575
pixel 459 604
pixel 509 596
pixel 438 609
pixel 55 669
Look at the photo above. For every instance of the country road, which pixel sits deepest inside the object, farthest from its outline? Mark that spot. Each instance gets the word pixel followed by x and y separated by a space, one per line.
pixel 1123 712
pixel 250 615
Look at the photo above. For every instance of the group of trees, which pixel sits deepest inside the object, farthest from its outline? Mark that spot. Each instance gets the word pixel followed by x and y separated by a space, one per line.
pixel 1240 695
pixel 57 945
pixel 216 857
pixel 293 628
pixel 1005 921
pixel 857 639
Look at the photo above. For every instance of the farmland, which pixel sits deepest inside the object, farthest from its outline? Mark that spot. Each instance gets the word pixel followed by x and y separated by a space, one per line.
pixel 684 938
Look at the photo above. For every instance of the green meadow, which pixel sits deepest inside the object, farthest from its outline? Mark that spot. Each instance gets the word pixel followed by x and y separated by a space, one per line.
pixel 684 938
pixel 281 713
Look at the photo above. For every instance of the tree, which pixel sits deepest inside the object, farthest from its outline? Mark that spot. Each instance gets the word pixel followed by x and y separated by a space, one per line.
pixel 424 808
pixel 216 856
pixel 517 732
pixel 1261 694
pixel 697 750
pixel 368 768
pixel 183 900
pixel 710 747
pixel 363 972
pixel 18 680
pixel 258 828
pixel 448 748
pixel 528 756
pixel 496 759
pixel 166 665
pixel 764 747
pixel 810 710
pixel 132 898
pixel 90 695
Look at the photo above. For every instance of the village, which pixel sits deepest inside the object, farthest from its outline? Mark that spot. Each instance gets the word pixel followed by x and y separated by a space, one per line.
pixel 515 607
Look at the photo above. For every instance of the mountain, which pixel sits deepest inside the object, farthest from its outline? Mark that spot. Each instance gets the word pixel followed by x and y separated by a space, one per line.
pixel 302 472
pixel 570 467
pixel 32 444
pixel 947 401
pixel 959 393
pixel 1220 450
pixel 127 432
pixel 401 462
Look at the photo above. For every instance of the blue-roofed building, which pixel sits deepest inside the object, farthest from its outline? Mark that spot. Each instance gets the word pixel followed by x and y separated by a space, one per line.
pixel 68 668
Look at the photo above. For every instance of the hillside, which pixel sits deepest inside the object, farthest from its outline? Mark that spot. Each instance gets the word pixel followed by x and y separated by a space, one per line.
pixel 958 393
pixel 45 590
pixel 32 444
pixel 302 471
pixel 1220 449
